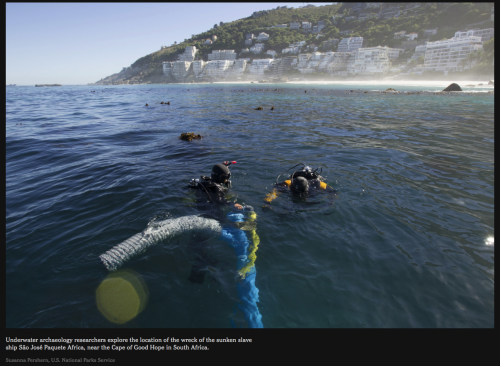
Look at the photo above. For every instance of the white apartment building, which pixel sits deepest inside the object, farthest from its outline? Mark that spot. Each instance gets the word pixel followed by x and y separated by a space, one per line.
pixel 370 61
pixel 271 52
pixel 339 64
pixel 295 25
pixel 180 69
pixel 306 26
pixel 393 53
pixel 245 50
pixel 167 68
pixel 263 37
pixel 281 26
pixel 238 68
pixel 250 36
pixel 350 44
pixel 327 59
pixel 248 42
pixel 303 59
pixel 222 55
pixel 188 54
pixel 198 67
pixel 217 68
pixel 290 50
pixel 257 48
pixel 485 34
pixel 411 36
pixel 419 51
pixel 208 41
pixel 258 66
pixel 446 55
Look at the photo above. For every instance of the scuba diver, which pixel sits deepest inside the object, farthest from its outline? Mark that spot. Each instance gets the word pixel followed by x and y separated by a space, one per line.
pixel 242 219
pixel 305 181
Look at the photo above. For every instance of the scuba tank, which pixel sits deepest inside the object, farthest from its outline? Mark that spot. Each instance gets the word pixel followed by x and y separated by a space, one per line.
pixel 306 172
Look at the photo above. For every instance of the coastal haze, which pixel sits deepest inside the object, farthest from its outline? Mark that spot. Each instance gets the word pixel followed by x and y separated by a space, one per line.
pixel 407 242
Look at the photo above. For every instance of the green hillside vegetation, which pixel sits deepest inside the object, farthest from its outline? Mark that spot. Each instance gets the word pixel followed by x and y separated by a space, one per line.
pixel 447 17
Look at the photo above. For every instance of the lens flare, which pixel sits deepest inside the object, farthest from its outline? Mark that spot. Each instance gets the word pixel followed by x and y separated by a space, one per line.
pixel 490 240
pixel 121 296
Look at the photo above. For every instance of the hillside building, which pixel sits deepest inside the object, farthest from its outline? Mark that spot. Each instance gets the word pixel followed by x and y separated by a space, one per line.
pixel 446 55
pixel 258 66
pixel 198 67
pixel 263 37
pixel 188 54
pixel 306 26
pixel 167 68
pixel 295 25
pixel 485 34
pixel 248 42
pixel 222 55
pixel 370 61
pixel 257 48
pixel 350 44
pixel 217 68
pixel 180 69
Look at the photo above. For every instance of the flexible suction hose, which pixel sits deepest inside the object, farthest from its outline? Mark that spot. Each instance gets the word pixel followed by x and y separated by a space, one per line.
pixel 163 230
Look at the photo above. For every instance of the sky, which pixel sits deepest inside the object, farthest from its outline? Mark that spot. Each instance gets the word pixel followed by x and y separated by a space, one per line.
pixel 80 43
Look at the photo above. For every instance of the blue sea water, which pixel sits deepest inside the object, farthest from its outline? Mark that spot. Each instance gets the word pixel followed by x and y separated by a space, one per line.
pixel 408 242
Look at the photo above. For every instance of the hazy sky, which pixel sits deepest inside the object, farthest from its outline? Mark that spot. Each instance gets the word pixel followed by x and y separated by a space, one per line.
pixel 80 43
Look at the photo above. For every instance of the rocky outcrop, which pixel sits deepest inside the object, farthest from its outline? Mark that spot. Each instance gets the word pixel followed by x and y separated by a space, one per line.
pixel 453 87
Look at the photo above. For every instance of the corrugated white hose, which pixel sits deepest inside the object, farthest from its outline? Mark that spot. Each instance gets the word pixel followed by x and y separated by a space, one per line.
pixel 163 230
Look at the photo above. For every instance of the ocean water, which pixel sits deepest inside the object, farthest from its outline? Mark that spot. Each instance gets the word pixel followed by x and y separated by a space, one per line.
pixel 408 241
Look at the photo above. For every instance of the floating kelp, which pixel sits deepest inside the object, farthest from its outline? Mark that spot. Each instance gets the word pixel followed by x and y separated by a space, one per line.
pixel 188 136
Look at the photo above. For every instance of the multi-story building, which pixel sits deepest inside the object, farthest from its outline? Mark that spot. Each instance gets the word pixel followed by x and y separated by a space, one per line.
pixel 295 25
pixel 393 53
pixel 350 44
pixel 327 59
pixel 188 54
pixel 446 55
pixel 180 69
pixel 338 65
pixel 217 68
pixel 250 36
pixel 370 61
pixel 263 37
pixel 208 41
pixel 167 68
pixel 411 36
pixel 492 13
pixel 303 59
pixel 281 26
pixel 248 42
pixel 238 68
pixel 348 19
pixel 222 55
pixel 257 48
pixel 306 26
pixel 291 50
pixel 258 66
pixel 285 64
pixel 198 67
pixel 419 51
pixel 485 34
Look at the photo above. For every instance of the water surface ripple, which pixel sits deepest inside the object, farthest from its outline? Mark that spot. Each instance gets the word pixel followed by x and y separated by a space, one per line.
pixel 407 243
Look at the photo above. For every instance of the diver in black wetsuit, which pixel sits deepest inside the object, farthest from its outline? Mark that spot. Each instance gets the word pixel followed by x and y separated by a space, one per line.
pixel 217 185
pixel 303 182
pixel 213 189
